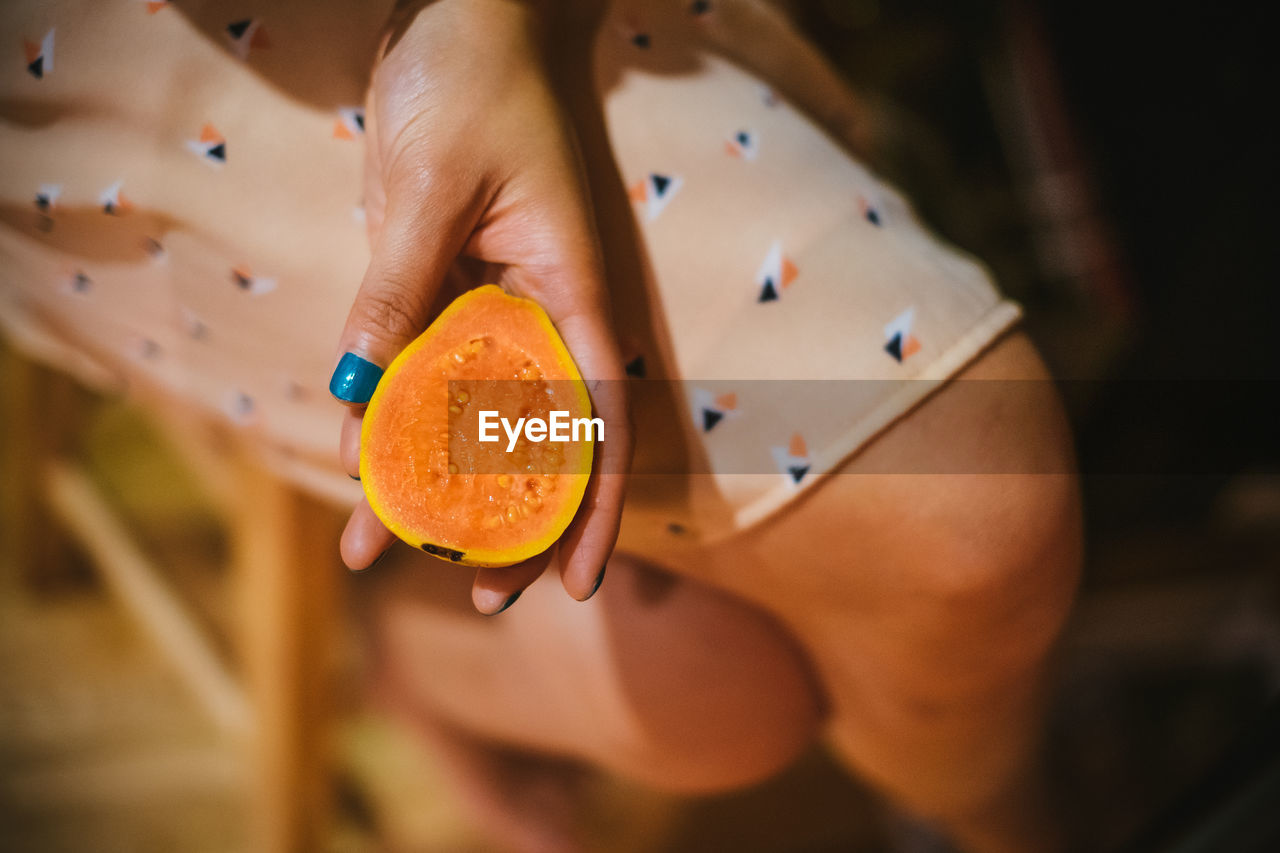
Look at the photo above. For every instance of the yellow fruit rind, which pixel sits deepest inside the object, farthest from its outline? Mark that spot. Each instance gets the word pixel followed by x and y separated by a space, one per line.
pixel 452 551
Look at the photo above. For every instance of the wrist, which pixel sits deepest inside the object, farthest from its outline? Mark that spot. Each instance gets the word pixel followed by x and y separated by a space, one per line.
pixel 491 23
pixel 546 12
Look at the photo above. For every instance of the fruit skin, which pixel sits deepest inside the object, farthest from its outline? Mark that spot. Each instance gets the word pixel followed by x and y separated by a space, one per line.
pixel 469 547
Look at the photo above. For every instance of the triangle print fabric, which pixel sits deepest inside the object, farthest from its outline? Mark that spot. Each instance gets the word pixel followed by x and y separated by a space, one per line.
pixel 247 35
pixel 710 409
pixel 79 283
pixel 793 460
pixel 211 145
pixel 154 249
pixel 869 213
pixel 239 407
pixel 349 124
pixel 899 341
pixel 248 282
pixel 39 56
pixel 196 328
pixel 655 193
pixel 742 145
pixel 113 201
pixel 47 197
pixel 775 274
pixel 635 33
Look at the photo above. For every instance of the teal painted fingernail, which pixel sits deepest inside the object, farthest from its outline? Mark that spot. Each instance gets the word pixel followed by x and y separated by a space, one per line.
pixel 599 580
pixel 510 601
pixel 355 379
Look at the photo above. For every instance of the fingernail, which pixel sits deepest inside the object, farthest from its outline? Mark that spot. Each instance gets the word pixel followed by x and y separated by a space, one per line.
pixel 355 477
pixel 599 580
pixel 354 379
pixel 376 560
pixel 510 601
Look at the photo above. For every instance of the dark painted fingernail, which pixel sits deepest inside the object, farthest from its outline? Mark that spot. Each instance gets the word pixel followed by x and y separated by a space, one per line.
pixel 376 560
pixel 599 580
pixel 354 379
pixel 355 477
pixel 510 601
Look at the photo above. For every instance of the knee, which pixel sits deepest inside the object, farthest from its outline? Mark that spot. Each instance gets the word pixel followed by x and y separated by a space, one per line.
pixel 719 697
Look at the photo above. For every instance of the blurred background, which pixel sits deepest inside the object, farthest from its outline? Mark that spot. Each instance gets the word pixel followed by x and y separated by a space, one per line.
pixel 1113 163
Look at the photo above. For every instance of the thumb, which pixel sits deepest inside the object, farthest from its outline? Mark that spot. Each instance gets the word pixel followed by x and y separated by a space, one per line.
pixel 421 236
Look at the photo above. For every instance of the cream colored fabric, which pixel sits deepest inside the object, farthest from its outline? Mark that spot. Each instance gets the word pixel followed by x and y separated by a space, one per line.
pixel 181 207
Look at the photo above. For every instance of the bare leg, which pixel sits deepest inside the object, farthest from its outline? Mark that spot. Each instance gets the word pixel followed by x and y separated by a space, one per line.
pixel 658 678
pixel 930 601
pixel 524 802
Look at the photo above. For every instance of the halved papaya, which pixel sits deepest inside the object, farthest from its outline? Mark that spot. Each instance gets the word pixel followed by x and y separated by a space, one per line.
pixel 425 470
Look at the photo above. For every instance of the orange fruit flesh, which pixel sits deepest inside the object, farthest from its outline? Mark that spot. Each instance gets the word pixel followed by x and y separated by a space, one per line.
pixel 425 472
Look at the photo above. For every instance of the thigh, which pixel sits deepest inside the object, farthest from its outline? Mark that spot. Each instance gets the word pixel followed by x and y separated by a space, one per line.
pixel 928 579
pixel 657 677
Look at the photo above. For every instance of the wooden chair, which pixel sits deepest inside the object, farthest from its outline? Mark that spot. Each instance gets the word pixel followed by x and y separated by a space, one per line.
pixel 276 700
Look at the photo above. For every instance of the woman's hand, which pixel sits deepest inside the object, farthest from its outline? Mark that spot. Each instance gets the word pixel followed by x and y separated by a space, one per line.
pixel 471 164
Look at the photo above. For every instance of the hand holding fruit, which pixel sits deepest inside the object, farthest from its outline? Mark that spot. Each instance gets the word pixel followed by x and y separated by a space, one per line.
pixel 469 156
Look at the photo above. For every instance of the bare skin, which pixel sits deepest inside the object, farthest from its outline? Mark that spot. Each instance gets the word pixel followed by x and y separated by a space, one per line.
pixel 469 155
pixel 908 616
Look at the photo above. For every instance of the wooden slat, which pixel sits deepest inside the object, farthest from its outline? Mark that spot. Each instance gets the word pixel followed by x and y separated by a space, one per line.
pixel 74 501
pixel 42 410
pixel 288 578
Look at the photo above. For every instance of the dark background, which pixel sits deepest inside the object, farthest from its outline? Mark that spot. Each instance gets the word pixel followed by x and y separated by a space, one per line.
pixel 1163 115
